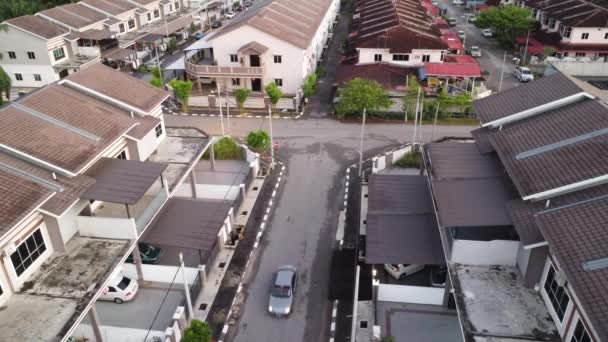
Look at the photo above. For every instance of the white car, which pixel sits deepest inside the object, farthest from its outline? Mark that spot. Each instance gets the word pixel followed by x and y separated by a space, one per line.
pixel 230 15
pixel 457 2
pixel 461 34
pixel 400 271
pixel 435 2
pixel 475 51
pixel 120 289
pixel 487 33
pixel 524 74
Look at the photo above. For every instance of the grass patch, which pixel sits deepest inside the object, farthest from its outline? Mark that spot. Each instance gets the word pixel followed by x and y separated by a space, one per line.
pixel 225 149
pixel 410 159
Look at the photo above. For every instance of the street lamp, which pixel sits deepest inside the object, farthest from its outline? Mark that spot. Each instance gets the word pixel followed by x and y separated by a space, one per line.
pixel 361 145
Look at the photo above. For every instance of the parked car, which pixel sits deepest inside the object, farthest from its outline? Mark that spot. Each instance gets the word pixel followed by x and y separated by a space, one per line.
pixel 488 33
pixel 452 21
pixel 216 24
pixel 461 34
pixel 400 271
pixel 248 3
pixel 475 51
pixel 230 15
pixel 284 283
pixel 471 18
pixel 524 74
pixel 457 2
pixel 120 289
pixel 198 35
pixel 438 276
pixel 149 254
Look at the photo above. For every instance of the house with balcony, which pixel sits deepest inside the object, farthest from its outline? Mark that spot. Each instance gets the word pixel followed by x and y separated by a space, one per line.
pixel 281 42
pixel 572 28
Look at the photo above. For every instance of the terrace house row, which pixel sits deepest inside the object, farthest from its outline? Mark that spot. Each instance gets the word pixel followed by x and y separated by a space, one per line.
pixel 42 48
pixel 85 169
pixel 519 214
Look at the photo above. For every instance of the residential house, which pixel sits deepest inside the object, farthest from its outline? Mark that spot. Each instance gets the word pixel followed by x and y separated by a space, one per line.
pixel 572 28
pixel 281 41
pixel 84 171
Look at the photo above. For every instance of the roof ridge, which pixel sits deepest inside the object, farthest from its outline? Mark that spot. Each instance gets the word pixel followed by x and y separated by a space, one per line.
pixel 38 180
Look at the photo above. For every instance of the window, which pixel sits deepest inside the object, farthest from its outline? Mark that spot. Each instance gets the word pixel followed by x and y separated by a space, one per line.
pixel 19 77
pixel 121 28
pixel 426 58
pixel 156 13
pixel 31 55
pixel 557 293
pixel 37 78
pixel 58 53
pixel 545 20
pixel 177 5
pixel 534 13
pixel 566 31
pixel 278 58
pixel 86 42
pixel 278 81
pixel 605 35
pixel 122 155
pixel 580 54
pixel 159 130
pixel 552 22
pixel 131 24
pixel 234 59
pixel 585 35
pixel 27 252
pixel 377 57
pixel 580 334
pixel 170 8
pixel 12 55
pixel 236 81
pixel 149 16
pixel 400 57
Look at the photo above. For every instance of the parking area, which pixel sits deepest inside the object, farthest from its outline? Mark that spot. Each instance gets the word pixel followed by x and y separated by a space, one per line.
pixel 491 60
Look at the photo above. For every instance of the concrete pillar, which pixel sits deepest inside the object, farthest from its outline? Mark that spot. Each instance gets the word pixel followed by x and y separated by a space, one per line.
pixel 94 318
pixel 243 192
pixel 170 335
pixel 52 226
pixel 202 272
pixel 180 317
pixel 193 183
pixel 212 157
pixel 137 258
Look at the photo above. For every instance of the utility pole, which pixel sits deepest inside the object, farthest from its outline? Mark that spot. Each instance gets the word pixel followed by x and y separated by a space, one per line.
pixel 186 287
pixel 361 145
pixel 271 137
pixel 219 101
pixel 416 117
pixel 522 62
pixel 227 111
pixel 502 72
pixel 435 121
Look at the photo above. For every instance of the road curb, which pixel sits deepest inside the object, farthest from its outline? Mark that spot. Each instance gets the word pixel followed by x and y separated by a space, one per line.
pixel 334 317
pixel 247 116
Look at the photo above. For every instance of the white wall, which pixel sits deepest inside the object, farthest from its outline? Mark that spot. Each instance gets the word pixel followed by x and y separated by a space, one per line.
pixel 596 35
pixel 208 191
pixel 149 143
pixel 366 56
pixel 410 294
pixel 161 273
pixel 67 222
pixel 107 227
pixel 523 258
pixel 496 252
pixel 580 68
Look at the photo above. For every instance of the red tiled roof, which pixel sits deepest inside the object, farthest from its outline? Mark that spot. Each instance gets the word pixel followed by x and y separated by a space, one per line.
pixel 450 38
pixel 534 46
pixel 452 69
pixel 462 59
pixel 390 76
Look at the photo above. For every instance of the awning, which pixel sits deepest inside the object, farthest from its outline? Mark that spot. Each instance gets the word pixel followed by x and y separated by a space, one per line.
pixel 175 25
pixel 403 239
pixel 117 53
pixel 189 223
pixel 122 181
pixel 150 38
pixel 97 34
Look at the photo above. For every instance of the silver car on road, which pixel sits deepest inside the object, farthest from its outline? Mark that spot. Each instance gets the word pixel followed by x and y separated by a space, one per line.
pixel 282 290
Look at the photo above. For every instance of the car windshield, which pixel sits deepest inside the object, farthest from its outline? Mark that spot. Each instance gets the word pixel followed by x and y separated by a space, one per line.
pixel 146 249
pixel 525 72
pixel 124 282
pixel 280 291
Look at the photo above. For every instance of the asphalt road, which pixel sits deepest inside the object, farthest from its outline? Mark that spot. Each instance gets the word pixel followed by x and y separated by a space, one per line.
pixel 302 229
pixel 492 55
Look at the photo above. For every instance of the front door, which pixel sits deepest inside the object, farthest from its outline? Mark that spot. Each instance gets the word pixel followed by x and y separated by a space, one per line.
pixel 254 60
pixel 256 84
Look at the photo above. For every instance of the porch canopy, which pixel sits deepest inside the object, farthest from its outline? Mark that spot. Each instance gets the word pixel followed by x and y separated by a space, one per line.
pixel 117 53
pixel 121 180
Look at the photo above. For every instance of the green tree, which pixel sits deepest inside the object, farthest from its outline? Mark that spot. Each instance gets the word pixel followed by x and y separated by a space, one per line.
pixel 172 46
pixel 192 28
pixel 156 72
pixel 258 140
pixel 156 82
pixel 197 331
pixel 409 100
pixel 5 80
pixel 274 93
pixel 241 96
pixel 225 148
pixel 183 90
pixel 508 21
pixel 310 85
pixel 362 93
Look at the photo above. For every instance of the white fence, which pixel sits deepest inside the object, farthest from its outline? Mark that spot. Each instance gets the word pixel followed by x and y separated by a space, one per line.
pixel 162 273
pixel 387 159
pixel 118 334
pixel 579 67
pixel 496 252
pixel 106 227
pixel 410 294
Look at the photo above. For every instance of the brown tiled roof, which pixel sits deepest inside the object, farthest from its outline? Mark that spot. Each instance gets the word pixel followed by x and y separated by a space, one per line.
pixel 292 21
pixel 578 234
pixel 146 124
pixel 113 7
pixel 452 160
pixel 120 86
pixel 575 13
pixel 144 2
pixel 482 139
pixel 402 40
pixel 73 15
pixel 535 163
pixel 38 26
pixel 390 76
pixel 539 92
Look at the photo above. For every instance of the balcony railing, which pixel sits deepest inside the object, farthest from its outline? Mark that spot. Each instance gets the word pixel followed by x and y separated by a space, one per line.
pixel 223 71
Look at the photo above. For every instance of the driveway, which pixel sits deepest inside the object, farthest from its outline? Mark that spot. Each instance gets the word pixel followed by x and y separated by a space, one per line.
pixel 492 55
pixel 302 229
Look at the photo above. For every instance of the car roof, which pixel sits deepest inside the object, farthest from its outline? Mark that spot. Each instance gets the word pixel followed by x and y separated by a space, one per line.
pixel 283 277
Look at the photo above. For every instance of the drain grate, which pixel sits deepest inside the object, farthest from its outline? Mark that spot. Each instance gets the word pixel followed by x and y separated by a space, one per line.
pixel 244 212
pixel 363 324
pixel 222 265
pixel 255 188
pixel 203 306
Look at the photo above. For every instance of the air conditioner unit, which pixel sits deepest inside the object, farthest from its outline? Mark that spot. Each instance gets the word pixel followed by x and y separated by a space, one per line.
pixel 560 278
